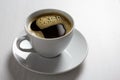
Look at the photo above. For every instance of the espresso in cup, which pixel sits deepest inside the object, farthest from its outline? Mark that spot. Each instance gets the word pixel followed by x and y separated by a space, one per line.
pixel 49 25
pixel 49 32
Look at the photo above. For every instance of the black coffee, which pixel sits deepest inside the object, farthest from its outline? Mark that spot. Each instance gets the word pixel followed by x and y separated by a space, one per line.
pixel 49 26
pixel 54 31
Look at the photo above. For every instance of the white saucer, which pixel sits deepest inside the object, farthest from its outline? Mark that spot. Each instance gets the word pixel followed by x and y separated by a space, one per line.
pixel 72 57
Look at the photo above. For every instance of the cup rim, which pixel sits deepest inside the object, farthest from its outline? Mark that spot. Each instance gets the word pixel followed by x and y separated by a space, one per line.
pixel 59 12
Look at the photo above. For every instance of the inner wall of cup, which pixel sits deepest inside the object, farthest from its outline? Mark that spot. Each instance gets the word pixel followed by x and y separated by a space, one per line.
pixel 45 11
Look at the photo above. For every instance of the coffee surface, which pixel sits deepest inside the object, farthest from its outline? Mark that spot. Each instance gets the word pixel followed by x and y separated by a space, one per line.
pixel 50 26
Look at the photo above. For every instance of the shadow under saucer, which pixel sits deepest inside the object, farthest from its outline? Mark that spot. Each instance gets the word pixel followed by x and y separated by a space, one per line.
pixel 20 73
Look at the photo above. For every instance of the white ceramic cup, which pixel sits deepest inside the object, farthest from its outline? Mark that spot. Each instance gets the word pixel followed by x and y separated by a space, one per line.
pixel 43 46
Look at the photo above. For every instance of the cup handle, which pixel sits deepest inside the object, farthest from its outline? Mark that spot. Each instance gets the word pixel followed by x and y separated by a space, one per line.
pixel 20 39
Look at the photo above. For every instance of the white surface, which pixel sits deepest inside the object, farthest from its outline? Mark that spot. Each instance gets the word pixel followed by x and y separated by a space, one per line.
pixel 97 20
pixel 71 58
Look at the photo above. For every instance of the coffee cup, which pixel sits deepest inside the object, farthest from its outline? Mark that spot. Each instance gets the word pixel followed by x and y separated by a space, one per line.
pixel 48 46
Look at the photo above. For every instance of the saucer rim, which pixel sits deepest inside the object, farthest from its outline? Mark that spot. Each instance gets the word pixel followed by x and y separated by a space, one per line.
pixel 54 73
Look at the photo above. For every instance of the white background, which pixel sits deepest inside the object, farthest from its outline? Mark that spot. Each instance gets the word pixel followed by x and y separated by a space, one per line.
pixel 97 20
